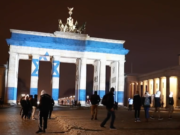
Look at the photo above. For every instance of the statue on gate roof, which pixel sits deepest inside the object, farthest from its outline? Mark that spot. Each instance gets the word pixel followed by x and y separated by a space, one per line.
pixel 70 26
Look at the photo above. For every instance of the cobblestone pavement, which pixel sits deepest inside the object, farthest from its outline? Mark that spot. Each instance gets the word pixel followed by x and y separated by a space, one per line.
pixel 12 124
pixel 78 122
pixel 72 121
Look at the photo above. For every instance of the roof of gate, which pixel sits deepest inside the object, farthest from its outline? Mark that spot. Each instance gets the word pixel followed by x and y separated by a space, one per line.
pixel 66 41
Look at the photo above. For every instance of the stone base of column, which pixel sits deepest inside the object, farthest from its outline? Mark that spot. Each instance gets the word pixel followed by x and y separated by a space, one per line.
pixel 101 93
pixel 120 97
pixel 83 103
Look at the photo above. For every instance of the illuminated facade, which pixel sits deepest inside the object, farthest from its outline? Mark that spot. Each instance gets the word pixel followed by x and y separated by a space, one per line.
pixel 165 80
pixel 69 46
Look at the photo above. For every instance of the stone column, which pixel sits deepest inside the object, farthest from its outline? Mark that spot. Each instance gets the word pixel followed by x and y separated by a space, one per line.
pixel 114 79
pixel 55 78
pixel 12 78
pixel 139 88
pixel 154 86
pixel 178 93
pixel 167 89
pixel 96 77
pixel 120 90
pixel 80 92
pixel 102 81
pixel 160 84
pixel 34 75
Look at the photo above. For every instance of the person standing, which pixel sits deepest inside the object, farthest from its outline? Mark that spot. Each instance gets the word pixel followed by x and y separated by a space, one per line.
pixel 44 107
pixel 25 107
pixel 34 106
pixel 95 99
pixel 130 102
pixel 51 108
pixel 110 109
pixel 171 103
pixel 146 101
pixel 157 105
pixel 137 106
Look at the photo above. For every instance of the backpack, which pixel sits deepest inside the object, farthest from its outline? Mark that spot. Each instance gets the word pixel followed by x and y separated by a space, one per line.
pixel 105 100
pixel 146 101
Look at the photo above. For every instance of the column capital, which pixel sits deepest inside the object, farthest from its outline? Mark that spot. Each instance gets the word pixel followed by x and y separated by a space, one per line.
pixel 35 56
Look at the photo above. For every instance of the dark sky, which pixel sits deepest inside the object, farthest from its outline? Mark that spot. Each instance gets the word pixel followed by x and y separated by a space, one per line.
pixel 151 28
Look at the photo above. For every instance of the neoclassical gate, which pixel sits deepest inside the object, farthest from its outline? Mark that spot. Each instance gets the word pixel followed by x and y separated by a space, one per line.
pixel 69 46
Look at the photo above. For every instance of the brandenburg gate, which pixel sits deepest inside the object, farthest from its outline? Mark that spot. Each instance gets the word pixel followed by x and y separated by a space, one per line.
pixel 68 45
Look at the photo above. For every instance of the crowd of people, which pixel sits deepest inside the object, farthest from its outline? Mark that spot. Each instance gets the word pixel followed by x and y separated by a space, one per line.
pixel 29 104
pixel 146 102
pixel 45 106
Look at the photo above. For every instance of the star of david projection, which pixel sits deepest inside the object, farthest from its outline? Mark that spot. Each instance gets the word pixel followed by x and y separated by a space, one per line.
pixel 55 68
pixel 44 57
pixel 35 63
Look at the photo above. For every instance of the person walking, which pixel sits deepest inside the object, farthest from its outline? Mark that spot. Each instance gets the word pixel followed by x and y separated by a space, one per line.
pixel 34 106
pixel 95 99
pixel 110 109
pixel 44 107
pixel 146 101
pixel 157 105
pixel 137 106
pixel 171 103
pixel 51 108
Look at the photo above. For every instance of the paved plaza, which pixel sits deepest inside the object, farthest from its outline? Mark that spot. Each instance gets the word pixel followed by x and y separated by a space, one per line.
pixel 76 121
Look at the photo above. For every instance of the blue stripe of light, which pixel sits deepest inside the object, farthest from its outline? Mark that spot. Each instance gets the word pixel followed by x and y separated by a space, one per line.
pixel 55 94
pixel 120 96
pixel 12 93
pixel 66 44
pixel 82 95
pixel 101 93
pixel 33 91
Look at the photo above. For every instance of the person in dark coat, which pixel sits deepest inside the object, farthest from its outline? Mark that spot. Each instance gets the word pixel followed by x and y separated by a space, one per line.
pixel 157 105
pixel 44 107
pixel 24 104
pixel 95 99
pixel 30 103
pixel 171 103
pixel 137 106
pixel 51 108
pixel 146 101
pixel 110 109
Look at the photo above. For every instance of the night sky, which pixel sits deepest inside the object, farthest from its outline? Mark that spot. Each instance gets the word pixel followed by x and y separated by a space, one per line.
pixel 151 29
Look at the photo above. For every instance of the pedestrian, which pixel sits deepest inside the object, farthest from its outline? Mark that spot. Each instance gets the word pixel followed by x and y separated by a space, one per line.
pixel 30 102
pixel 110 108
pixel 157 105
pixel 25 108
pixel 21 104
pixel 146 101
pixel 130 101
pixel 95 99
pixel 44 107
pixel 171 103
pixel 137 106
pixel 34 106
pixel 51 108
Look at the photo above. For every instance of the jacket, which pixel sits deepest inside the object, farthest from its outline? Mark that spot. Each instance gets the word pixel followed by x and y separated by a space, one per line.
pixel 171 101
pixel 137 102
pixel 45 103
pixel 110 103
pixel 34 103
pixel 143 100
pixel 95 99
pixel 157 102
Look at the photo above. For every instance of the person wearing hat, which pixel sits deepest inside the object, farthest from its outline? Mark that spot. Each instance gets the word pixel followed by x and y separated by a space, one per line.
pixel 44 107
